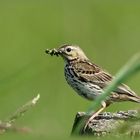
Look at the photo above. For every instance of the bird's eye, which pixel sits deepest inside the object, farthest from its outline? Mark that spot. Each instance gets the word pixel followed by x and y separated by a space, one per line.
pixel 68 49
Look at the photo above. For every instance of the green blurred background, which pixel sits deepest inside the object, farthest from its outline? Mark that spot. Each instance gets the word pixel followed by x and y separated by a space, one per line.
pixel 109 33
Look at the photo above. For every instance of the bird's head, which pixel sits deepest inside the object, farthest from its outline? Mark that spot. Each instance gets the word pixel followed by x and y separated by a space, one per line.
pixel 71 52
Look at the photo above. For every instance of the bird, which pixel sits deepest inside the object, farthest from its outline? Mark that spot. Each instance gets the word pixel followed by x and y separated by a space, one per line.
pixel 89 80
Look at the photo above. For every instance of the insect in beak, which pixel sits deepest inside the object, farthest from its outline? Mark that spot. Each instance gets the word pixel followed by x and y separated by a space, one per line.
pixel 53 52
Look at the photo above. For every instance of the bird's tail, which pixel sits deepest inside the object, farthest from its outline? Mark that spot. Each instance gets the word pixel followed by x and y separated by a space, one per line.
pixel 135 99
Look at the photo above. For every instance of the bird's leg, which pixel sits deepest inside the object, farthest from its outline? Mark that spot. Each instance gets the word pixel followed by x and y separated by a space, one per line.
pixel 95 114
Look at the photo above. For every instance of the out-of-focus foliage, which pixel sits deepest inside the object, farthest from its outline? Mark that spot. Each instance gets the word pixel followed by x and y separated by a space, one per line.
pixel 108 31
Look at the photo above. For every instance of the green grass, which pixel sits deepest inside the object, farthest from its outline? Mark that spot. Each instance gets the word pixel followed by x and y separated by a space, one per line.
pixel 131 68
pixel 107 31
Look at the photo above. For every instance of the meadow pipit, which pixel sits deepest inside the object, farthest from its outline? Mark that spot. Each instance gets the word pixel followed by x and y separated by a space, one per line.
pixel 88 79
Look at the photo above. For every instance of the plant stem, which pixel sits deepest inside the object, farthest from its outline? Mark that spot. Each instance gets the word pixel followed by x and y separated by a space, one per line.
pixel 128 70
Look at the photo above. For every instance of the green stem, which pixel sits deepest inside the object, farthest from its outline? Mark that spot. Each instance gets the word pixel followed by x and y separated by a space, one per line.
pixel 128 70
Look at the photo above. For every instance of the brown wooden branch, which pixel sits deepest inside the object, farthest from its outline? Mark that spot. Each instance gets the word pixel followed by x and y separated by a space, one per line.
pixel 105 123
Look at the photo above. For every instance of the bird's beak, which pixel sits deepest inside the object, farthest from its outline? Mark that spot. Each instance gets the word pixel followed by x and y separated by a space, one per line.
pixel 60 51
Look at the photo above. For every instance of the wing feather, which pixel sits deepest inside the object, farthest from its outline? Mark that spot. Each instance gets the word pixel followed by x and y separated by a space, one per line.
pixel 92 73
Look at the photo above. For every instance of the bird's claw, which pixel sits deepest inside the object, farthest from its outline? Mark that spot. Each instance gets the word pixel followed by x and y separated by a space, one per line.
pixel 86 125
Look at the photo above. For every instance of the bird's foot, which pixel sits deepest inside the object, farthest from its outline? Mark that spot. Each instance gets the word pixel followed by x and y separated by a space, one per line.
pixel 93 115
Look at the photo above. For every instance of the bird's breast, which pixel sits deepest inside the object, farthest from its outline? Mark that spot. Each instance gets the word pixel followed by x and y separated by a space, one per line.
pixel 84 89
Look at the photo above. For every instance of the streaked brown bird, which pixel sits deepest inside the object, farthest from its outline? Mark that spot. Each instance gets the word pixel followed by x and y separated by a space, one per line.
pixel 89 80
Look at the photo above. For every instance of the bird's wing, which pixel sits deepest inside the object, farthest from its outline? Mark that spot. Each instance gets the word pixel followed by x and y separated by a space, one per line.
pixel 89 72
pixel 92 73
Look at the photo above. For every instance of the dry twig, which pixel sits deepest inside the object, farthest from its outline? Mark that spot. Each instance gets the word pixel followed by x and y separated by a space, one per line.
pixel 8 124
